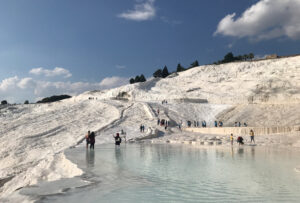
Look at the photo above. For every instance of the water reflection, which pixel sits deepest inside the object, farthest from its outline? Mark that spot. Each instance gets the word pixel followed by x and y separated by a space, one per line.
pixel 90 158
pixel 253 152
pixel 166 173
pixel 118 155
pixel 241 151
pixel 232 153
pixel 142 151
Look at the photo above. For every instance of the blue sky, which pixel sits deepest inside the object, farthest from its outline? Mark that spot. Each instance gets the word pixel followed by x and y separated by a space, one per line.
pixel 53 46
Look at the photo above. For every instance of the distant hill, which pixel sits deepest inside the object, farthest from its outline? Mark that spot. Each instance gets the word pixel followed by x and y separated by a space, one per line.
pixel 248 82
pixel 54 98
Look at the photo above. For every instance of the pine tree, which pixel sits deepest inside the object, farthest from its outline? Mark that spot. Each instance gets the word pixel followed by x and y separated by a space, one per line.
pixel 131 81
pixel 158 73
pixel 165 72
pixel 137 79
pixel 180 68
pixel 239 58
pixel 194 64
pixel 142 78
pixel 228 57
pixel 251 56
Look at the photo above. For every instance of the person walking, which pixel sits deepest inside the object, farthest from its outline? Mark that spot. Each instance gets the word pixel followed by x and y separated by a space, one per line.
pixel 87 139
pixel 92 140
pixel 252 136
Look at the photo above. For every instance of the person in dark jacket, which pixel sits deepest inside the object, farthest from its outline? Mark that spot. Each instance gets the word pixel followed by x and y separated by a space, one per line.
pixel 240 140
pixel 87 139
pixel 118 139
pixel 92 140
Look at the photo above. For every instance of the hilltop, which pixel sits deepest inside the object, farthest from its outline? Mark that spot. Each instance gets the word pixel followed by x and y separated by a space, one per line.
pixel 270 81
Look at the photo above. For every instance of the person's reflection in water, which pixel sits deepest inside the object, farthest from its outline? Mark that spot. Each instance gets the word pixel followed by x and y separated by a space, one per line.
pixel 142 151
pixel 118 154
pixel 90 158
pixel 241 151
pixel 253 152
pixel 232 153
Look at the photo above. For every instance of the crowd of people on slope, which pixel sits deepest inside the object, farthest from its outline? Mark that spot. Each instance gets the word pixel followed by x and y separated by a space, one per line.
pixel 240 139
pixel 163 122
pixel 92 98
pixel 239 124
pixel 218 124
pixel 142 128
pixel 196 124
pixel 90 136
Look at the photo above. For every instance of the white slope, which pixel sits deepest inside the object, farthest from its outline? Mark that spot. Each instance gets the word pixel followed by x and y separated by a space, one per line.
pixel 33 137
pixel 272 81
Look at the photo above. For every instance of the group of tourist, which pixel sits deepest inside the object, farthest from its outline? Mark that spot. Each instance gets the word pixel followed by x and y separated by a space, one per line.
pixel 90 140
pixel 92 98
pixel 142 128
pixel 163 122
pixel 240 139
pixel 239 124
pixel 90 136
pixel 218 124
pixel 195 124
pixel 164 102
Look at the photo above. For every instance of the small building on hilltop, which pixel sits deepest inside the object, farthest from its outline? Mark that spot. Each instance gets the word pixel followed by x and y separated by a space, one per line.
pixel 272 56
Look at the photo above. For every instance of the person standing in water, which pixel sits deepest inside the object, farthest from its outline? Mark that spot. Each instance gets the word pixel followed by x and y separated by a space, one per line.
pixel 87 139
pixel 118 139
pixel 231 138
pixel 252 136
pixel 92 140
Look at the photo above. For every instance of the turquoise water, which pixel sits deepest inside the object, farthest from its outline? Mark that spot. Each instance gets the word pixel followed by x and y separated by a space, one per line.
pixel 175 173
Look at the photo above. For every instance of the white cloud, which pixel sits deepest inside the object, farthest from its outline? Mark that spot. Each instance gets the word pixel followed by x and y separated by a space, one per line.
pixel 267 19
pixel 111 82
pixel 26 83
pixel 58 71
pixel 143 10
pixel 171 22
pixel 17 89
pixel 120 67
pixel 9 83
